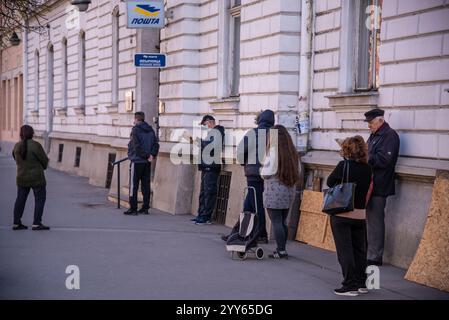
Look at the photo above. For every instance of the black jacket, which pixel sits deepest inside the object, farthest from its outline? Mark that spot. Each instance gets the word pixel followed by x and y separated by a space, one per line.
pixel 383 147
pixel 359 173
pixel 216 145
pixel 249 151
pixel 143 143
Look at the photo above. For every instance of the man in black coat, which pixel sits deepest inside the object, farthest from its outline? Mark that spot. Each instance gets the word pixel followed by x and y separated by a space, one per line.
pixel 143 147
pixel 383 149
pixel 210 167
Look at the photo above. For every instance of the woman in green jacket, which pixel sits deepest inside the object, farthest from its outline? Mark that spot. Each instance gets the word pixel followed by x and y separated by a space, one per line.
pixel 31 162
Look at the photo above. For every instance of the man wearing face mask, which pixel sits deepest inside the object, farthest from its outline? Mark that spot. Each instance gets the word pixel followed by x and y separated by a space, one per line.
pixel 210 167
pixel 143 147
pixel 383 150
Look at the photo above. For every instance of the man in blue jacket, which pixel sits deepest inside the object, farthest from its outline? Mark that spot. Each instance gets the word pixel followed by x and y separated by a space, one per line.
pixel 383 152
pixel 143 147
pixel 210 167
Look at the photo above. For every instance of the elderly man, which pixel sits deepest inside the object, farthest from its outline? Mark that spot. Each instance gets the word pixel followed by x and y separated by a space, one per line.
pixel 383 150
pixel 210 169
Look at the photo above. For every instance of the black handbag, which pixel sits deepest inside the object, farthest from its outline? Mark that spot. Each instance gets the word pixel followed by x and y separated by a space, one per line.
pixel 340 198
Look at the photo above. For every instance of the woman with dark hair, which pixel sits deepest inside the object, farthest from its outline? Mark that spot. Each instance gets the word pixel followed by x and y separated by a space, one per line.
pixel 280 172
pixel 349 228
pixel 31 162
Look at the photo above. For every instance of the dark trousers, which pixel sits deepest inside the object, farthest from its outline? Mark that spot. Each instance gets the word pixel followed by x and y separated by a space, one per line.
pixel 350 242
pixel 208 194
pixel 248 205
pixel 40 195
pixel 278 218
pixel 375 220
pixel 139 173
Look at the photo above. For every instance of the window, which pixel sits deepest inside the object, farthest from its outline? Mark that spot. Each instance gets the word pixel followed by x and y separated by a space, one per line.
pixel 235 23
pixel 229 21
pixel 36 80
pixel 110 170
pixel 82 70
pixel 8 104
pixel 64 73
pixel 50 79
pixel 60 152
pixel 3 105
pixel 115 55
pixel 367 44
pixel 77 157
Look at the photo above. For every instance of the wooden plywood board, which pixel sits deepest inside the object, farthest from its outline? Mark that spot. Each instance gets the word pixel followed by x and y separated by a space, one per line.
pixel 314 226
pixel 430 265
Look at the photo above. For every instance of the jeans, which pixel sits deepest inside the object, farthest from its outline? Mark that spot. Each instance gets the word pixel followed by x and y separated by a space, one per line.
pixel 278 218
pixel 139 173
pixel 40 195
pixel 350 241
pixel 375 219
pixel 248 205
pixel 208 194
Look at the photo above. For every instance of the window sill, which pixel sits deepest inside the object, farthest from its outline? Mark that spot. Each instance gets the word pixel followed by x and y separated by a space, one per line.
pixel 354 102
pixel 112 108
pixel 80 110
pixel 225 105
pixel 61 111
pixel 34 113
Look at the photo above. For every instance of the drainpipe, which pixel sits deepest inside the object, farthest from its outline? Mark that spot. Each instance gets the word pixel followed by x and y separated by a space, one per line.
pixel 305 76
pixel 304 107
pixel 25 73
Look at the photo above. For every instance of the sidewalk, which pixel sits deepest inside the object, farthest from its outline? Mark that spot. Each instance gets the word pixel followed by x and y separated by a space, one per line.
pixel 159 256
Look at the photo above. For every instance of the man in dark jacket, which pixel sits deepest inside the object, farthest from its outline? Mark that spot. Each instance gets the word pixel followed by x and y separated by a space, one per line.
pixel 142 148
pixel 383 149
pixel 210 167
pixel 252 152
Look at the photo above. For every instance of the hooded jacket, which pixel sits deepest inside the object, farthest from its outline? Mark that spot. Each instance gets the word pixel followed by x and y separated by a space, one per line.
pixel 143 143
pixel 250 149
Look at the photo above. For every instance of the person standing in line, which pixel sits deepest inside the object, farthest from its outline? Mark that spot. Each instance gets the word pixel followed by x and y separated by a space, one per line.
pixel 210 170
pixel 349 228
pixel 383 152
pixel 250 148
pixel 31 163
pixel 280 173
pixel 143 147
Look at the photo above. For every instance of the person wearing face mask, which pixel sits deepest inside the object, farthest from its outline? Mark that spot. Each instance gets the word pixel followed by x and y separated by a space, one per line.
pixel 210 167
pixel 383 152
pixel 143 147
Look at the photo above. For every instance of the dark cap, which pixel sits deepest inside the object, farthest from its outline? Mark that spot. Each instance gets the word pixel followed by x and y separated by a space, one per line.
pixel 207 117
pixel 370 115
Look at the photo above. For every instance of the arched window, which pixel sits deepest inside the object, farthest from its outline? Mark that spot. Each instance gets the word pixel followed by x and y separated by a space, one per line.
pixel 82 70
pixel 64 73
pixel 50 77
pixel 36 80
pixel 115 54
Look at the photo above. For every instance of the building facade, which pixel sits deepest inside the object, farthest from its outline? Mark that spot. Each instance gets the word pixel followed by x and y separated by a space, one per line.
pixel 322 61
pixel 83 88
pixel 319 65
pixel 11 96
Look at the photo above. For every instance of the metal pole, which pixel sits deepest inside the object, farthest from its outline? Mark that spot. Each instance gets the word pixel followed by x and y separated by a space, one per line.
pixel 118 186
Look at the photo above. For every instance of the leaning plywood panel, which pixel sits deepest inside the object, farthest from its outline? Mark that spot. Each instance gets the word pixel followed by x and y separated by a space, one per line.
pixel 431 263
pixel 314 226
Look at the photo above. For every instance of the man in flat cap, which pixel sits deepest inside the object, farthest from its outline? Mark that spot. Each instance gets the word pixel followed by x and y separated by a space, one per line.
pixel 210 167
pixel 383 150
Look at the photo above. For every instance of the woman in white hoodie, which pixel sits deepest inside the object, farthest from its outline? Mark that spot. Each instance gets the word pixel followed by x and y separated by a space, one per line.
pixel 280 173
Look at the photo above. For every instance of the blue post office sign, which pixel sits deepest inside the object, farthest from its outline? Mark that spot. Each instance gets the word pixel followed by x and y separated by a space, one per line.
pixel 150 60
pixel 145 14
